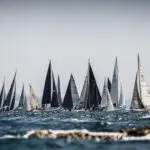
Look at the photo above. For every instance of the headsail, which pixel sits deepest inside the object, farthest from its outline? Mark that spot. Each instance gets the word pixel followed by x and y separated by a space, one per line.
pixel 121 98
pixel 54 102
pixel 2 95
pixel 109 85
pixel 110 106
pixel 9 97
pixel 59 92
pixel 46 99
pixel 33 100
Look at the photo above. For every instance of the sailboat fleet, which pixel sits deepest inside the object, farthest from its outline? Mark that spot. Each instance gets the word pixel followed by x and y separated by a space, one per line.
pixel 91 99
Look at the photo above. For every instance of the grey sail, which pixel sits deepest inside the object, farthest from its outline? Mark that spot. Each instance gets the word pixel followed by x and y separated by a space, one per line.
pixel 59 92
pixel 104 94
pixel 109 85
pixel 25 104
pixel 74 92
pixel 115 86
pixel 21 101
pixel 142 90
pixel 2 95
pixel 121 98
pixel 84 93
pixel 9 97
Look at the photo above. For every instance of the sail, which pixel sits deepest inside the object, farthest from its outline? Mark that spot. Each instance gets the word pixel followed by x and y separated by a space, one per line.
pixel 21 101
pixel 46 99
pixel 84 93
pixel 2 95
pixel 144 88
pixel 74 92
pixel 115 86
pixel 110 106
pixel 136 100
pixel 33 100
pixel 9 96
pixel 59 92
pixel 93 100
pixel 13 98
pixel 68 103
pixel 109 85
pixel 54 102
pixel 104 95
pixel 121 98
pixel 25 104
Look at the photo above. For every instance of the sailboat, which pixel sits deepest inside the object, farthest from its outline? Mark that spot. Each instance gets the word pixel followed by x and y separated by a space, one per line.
pixel 116 91
pixel 2 95
pixel 55 102
pixel 9 98
pixel 46 99
pixel 141 92
pixel 71 98
pixel 106 103
pixel 90 96
pixel 33 100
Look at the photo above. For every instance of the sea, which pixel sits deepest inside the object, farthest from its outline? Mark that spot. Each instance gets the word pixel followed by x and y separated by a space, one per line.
pixel 20 123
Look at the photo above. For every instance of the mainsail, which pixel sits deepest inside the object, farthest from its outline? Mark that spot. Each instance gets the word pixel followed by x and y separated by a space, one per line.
pixel 33 100
pixel 9 97
pixel 46 99
pixel 141 93
pixel 2 95
pixel 115 86
pixel 54 102
pixel 12 105
pixel 59 92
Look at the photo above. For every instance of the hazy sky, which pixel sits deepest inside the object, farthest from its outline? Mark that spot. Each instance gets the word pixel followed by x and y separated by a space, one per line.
pixel 69 32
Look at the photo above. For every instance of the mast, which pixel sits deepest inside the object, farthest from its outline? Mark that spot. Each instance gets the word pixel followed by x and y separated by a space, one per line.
pixel 7 102
pixel 68 103
pixel 2 95
pixel 21 101
pixel 54 102
pixel 13 99
pixel 59 92
pixel 115 85
pixel 46 99
pixel 33 100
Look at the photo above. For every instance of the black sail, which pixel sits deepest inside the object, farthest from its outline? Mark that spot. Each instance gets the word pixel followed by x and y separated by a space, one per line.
pixel 54 102
pixel 68 103
pixel 2 94
pixel 109 85
pixel 21 101
pixel 46 99
pixel 13 99
pixel 59 91
pixel 9 96
pixel 94 98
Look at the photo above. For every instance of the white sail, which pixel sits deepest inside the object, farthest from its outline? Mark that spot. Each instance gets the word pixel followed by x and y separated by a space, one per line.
pixel 33 100
pixel 110 106
pixel 115 89
pixel 144 88
pixel 121 98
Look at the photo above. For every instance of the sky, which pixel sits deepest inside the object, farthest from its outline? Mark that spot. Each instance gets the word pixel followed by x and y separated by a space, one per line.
pixel 69 32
